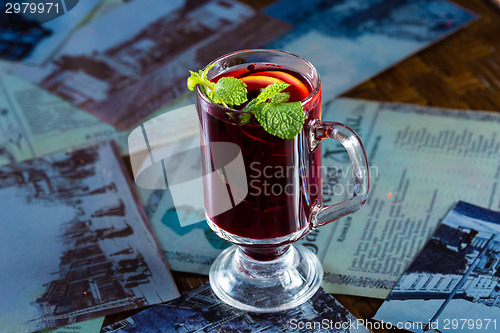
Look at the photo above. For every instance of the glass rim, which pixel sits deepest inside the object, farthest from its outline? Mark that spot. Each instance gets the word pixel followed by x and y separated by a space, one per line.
pixel 303 102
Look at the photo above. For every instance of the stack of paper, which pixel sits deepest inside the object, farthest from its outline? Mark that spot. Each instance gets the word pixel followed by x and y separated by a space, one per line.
pixel 76 242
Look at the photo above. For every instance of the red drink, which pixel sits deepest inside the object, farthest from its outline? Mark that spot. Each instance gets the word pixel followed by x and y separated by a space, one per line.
pixel 280 198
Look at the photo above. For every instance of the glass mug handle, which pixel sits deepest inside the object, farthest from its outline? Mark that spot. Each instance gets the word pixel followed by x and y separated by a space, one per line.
pixel 322 130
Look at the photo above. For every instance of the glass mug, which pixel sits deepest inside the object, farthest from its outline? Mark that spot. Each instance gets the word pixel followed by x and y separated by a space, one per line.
pixel 275 192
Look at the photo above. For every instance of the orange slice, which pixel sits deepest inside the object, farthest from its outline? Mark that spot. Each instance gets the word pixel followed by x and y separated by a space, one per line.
pixel 298 91
pixel 259 81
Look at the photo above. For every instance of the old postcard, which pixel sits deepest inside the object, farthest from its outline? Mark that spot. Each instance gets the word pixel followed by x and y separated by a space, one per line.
pixel 34 122
pixel 201 311
pixel 32 31
pixel 349 41
pixel 142 62
pixel 454 283
pixel 75 243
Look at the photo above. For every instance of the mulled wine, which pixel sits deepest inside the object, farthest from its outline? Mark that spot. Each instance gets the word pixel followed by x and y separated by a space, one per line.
pixel 283 176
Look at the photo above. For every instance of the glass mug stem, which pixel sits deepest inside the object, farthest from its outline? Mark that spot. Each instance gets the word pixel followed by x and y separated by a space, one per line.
pixel 263 193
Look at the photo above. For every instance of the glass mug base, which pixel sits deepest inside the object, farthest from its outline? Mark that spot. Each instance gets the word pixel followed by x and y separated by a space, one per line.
pixel 266 286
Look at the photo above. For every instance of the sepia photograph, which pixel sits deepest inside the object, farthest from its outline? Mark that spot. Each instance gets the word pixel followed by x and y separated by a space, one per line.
pixel 77 245
pixel 125 77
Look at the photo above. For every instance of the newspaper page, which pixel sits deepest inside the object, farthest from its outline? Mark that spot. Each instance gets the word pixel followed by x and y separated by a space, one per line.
pixel 199 310
pixel 422 160
pixel 76 243
pixel 34 122
pixel 453 284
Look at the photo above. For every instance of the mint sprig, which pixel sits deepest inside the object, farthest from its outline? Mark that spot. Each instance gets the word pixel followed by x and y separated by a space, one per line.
pixel 201 79
pixel 228 91
pixel 270 107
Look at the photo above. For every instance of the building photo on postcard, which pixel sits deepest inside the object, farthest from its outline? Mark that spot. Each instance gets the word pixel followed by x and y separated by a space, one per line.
pixel 455 281
pixel 75 243
pixel 142 62
pixel 200 310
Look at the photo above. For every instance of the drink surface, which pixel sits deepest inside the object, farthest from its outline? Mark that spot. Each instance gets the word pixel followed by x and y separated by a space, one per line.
pixel 283 175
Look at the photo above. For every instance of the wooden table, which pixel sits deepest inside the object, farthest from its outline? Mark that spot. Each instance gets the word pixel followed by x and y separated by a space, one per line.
pixel 462 71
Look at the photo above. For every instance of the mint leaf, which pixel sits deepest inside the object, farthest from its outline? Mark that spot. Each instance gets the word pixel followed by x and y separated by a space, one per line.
pixel 271 90
pixel 283 120
pixel 230 90
pixel 280 98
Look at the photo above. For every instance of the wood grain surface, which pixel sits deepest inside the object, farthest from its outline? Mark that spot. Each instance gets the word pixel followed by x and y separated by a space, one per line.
pixel 461 71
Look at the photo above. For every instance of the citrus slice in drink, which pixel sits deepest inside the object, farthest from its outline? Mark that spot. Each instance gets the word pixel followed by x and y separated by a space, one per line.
pixel 298 90
pixel 259 81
